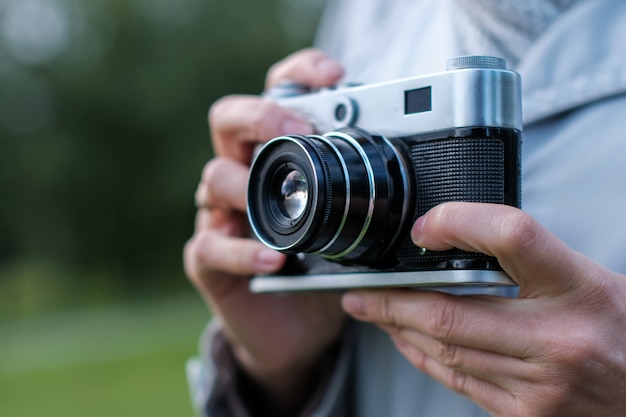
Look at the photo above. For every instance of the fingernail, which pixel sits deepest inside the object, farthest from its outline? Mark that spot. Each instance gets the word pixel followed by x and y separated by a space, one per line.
pixel 329 68
pixel 296 127
pixel 354 304
pixel 416 231
pixel 268 260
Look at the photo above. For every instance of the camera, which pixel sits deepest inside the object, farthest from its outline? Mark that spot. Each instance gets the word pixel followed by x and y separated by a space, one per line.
pixel 342 202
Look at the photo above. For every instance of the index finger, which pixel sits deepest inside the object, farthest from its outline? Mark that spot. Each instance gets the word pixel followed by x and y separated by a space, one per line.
pixel 240 123
pixel 463 321
pixel 310 67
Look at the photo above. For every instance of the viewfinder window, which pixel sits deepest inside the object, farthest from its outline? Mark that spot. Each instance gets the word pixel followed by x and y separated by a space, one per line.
pixel 418 100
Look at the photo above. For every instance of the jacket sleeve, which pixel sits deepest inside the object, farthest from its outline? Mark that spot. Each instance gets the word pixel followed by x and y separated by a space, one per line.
pixel 219 389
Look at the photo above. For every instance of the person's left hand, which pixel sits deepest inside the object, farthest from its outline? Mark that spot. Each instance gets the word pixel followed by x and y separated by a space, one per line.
pixel 557 350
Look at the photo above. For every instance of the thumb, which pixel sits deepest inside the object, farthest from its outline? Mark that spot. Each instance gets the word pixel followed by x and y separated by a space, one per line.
pixel 534 258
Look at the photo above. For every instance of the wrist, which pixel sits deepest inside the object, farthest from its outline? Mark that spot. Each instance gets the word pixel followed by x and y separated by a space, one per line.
pixel 283 390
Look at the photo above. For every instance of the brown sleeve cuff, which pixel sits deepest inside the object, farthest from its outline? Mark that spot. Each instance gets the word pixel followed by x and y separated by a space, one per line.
pixel 234 394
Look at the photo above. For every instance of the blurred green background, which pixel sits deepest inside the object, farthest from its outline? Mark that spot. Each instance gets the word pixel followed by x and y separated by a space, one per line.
pixel 102 140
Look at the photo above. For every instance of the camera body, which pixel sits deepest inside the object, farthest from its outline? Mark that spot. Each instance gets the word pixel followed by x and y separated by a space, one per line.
pixel 342 203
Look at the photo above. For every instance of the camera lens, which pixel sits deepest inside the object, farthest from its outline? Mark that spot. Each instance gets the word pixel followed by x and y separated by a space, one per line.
pixel 343 195
pixel 294 194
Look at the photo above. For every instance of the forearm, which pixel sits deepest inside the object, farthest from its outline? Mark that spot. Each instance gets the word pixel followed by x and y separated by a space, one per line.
pixel 221 387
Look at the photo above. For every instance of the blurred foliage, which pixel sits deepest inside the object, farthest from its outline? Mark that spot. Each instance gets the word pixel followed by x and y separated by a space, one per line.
pixel 120 360
pixel 103 134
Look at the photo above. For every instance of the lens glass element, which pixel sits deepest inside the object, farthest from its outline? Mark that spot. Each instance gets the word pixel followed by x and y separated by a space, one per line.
pixel 343 195
pixel 294 194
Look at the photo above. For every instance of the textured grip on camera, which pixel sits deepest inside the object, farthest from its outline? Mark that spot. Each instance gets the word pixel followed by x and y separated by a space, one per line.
pixel 458 169
pixel 454 169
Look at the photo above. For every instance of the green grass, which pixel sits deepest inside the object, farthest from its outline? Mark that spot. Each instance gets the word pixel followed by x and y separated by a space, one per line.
pixel 126 360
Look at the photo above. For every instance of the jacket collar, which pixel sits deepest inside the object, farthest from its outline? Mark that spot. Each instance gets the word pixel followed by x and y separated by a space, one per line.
pixel 581 58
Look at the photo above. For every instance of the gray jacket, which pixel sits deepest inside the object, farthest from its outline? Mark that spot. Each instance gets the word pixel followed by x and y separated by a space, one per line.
pixel 574 182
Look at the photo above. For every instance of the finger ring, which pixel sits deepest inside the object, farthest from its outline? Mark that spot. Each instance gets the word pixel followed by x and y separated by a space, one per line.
pixel 202 206
pixel 200 198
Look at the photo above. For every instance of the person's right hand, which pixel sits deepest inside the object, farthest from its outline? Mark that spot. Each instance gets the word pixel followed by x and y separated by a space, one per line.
pixel 276 339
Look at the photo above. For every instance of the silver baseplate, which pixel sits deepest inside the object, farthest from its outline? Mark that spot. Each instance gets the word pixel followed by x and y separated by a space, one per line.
pixel 446 278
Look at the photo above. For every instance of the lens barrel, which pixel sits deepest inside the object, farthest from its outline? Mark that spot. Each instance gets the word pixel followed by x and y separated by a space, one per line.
pixel 344 195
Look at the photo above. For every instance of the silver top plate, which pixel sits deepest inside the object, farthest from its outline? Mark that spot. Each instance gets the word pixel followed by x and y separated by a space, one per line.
pixel 465 97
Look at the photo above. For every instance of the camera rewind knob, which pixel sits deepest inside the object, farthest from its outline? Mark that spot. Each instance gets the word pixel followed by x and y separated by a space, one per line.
pixel 475 61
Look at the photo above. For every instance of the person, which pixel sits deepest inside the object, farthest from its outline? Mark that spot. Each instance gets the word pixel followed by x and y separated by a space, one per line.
pixel 559 349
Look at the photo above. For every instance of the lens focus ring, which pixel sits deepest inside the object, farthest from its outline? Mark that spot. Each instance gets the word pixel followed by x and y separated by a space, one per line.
pixel 340 195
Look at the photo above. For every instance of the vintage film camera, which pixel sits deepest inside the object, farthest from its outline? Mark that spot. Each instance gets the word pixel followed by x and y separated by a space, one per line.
pixel 342 203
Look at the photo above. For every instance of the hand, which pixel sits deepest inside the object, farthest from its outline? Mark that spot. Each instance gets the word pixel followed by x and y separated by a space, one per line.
pixel 276 338
pixel 558 350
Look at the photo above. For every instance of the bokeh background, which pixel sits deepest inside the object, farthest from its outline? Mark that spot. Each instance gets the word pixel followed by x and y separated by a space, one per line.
pixel 102 139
